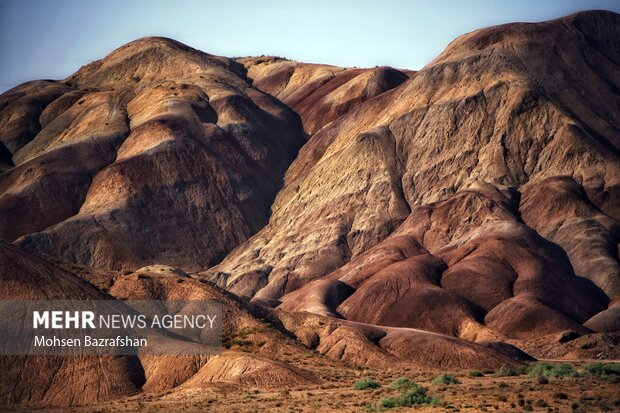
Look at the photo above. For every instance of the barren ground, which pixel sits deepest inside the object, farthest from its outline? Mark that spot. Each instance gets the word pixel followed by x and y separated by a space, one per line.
pixel 473 394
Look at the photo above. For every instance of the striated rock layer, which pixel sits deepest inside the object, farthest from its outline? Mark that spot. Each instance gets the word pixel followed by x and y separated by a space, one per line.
pixel 436 218
pixel 156 153
pixel 60 380
pixel 261 348
pixel 320 94
pixel 493 173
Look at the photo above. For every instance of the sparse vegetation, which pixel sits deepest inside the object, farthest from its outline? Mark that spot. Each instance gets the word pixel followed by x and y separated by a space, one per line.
pixel 445 379
pixel 239 338
pixel 366 384
pixel 552 370
pixel 402 383
pixel 475 373
pixel 603 371
pixel 414 396
pixel 505 371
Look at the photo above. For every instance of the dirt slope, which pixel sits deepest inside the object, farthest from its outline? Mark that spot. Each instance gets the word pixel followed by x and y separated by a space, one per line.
pixel 61 380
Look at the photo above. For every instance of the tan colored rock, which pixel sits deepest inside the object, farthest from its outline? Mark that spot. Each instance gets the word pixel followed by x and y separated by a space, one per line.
pixel 21 109
pixel 250 371
pixel 156 153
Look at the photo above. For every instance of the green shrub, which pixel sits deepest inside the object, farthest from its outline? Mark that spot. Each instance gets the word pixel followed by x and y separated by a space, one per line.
pixel 366 384
pixel 389 402
pixel 552 370
pixel 475 373
pixel 445 379
pixel 505 371
pixel 402 383
pixel 603 371
pixel 414 396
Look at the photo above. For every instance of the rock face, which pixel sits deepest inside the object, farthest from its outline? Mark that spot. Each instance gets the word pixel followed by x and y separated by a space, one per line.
pixel 509 135
pixel 560 210
pixel 435 218
pixel 385 347
pixel 84 380
pixel 157 153
pixel 48 380
pixel 320 93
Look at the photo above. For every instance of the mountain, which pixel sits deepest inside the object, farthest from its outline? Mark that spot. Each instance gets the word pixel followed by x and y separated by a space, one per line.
pixel 54 381
pixel 261 349
pixel 506 143
pixel 320 94
pixel 156 153
pixel 353 222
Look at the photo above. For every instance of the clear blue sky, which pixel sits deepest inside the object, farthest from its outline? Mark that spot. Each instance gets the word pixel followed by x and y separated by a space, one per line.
pixel 53 38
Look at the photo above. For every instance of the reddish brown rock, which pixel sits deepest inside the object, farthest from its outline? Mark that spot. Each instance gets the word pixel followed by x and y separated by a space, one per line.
pixel 57 380
pixel 496 114
pixel 500 277
pixel 387 347
pixel 560 210
pixel 320 94
pixel 607 321
pixel 21 109
pixel 432 219
pixel 247 370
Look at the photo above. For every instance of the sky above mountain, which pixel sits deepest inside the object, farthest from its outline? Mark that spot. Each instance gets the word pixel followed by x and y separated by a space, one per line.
pixel 53 38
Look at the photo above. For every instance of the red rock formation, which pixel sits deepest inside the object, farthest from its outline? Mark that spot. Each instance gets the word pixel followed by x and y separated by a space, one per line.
pixel 510 126
pixel 320 93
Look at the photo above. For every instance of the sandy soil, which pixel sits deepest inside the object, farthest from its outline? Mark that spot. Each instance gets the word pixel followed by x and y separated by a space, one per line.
pixel 473 394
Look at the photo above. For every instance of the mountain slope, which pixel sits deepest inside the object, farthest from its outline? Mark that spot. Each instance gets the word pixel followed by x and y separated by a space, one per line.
pixel 156 153
pixel 50 380
pixel 320 94
pixel 445 218
pixel 499 113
